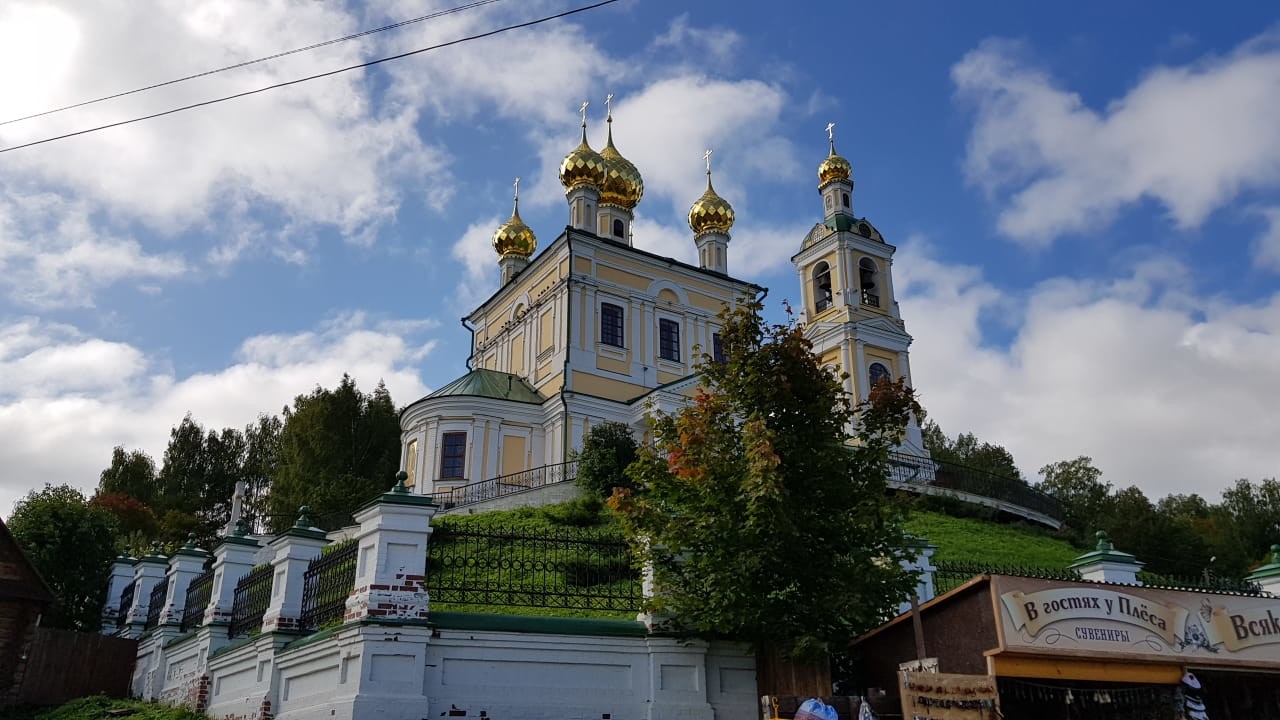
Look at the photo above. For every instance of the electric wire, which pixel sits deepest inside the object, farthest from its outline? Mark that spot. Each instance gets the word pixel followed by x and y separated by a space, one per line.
pixel 246 63
pixel 317 76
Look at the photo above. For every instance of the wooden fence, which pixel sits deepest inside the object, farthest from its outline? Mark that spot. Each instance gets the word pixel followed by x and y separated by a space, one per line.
pixel 64 664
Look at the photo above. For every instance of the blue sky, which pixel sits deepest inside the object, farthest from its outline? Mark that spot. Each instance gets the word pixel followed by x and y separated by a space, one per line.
pixel 1085 199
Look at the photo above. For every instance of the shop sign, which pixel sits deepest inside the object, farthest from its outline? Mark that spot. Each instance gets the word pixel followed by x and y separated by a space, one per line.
pixel 948 696
pixel 1109 618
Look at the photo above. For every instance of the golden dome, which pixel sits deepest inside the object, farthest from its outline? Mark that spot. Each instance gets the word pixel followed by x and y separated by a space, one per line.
pixel 622 182
pixel 711 213
pixel 515 238
pixel 834 168
pixel 583 166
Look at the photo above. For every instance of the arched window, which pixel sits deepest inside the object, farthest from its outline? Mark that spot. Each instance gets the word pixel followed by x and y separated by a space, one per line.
pixel 619 230
pixel 867 272
pixel 844 197
pixel 877 372
pixel 821 287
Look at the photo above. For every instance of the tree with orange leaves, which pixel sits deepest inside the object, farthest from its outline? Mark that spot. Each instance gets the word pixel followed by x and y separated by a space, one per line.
pixel 761 505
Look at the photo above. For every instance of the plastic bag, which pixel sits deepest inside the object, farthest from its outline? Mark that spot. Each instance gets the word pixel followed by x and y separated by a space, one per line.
pixel 814 709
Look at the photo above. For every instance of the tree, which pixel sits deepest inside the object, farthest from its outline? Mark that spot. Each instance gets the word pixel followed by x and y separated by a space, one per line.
pixel 131 473
pixel 197 480
pixel 1078 486
pixel 967 450
pixel 603 460
pixel 758 472
pixel 338 449
pixel 71 543
pixel 1166 544
pixel 261 456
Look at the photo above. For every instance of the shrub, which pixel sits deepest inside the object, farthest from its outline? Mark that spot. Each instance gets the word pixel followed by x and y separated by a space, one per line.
pixel 602 463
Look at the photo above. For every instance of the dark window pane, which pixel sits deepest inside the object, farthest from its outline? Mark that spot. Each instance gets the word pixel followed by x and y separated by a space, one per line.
pixel 717 348
pixel 878 372
pixel 453 454
pixel 669 340
pixel 611 324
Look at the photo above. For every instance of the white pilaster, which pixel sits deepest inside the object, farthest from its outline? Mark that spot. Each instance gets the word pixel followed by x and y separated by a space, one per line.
pixel 121 574
pixel 391 563
pixel 185 565
pixel 231 560
pixel 295 549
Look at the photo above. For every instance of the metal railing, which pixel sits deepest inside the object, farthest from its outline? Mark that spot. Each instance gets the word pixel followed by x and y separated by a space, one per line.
pixel 155 603
pixel 507 484
pixel 905 468
pixel 568 568
pixel 870 298
pixel 952 574
pixel 326 584
pixel 199 592
pixel 253 595
pixel 126 602
pixel 1209 583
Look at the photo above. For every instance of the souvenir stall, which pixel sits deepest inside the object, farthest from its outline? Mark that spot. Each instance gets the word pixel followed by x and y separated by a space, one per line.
pixel 1069 650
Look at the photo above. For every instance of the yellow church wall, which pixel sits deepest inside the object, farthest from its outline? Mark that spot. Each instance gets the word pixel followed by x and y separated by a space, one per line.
pixel 889 360
pixel 706 302
pixel 513 454
pixel 546 330
pixel 666 377
pixel 551 385
pixel 517 355
pixel 622 277
pixel 831 357
pixel 582 265
pixel 680 278
pixel 617 366
pixel 669 296
pixel 605 387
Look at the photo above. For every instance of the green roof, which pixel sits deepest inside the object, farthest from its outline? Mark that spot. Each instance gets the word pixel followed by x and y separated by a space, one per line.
pixel 491 384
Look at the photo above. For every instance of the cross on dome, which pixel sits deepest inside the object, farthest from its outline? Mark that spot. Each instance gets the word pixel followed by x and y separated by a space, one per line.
pixel 608 106
pixel 517 184
pixel 583 110
pixel 707 156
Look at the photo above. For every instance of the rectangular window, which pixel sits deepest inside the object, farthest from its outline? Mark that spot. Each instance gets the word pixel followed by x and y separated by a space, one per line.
pixel 717 348
pixel 611 324
pixel 669 340
pixel 453 455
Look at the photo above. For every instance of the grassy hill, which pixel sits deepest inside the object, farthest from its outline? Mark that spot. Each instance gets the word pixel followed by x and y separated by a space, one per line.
pixel 967 539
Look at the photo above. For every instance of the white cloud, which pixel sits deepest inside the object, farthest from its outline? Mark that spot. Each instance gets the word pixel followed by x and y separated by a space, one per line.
pixel 323 153
pixel 1266 249
pixel 66 398
pixel 1191 137
pixel 1163 390
pixel 475 251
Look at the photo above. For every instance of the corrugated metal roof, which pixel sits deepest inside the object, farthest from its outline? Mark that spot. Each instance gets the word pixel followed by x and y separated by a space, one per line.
pixel 491 384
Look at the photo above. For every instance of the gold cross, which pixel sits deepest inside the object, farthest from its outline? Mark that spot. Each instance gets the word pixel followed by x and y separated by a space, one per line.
pixel 583 110
pixel 707 156
pixel 830 134
pixel 517 184
pixel 608 105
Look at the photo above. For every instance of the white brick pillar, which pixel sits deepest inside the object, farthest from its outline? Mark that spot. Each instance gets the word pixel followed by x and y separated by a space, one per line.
pixel 295 549
pixel 391 562
pixel 121 574
pixel 1106 564
pixel 232 558
pixel 678 676
pixel 147 573
pixel 185 565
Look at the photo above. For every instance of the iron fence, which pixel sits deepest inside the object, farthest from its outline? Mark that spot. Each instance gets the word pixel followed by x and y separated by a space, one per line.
pixel 1206 583
pixel 507 484
pixel 327 583
pixel 566 568
pixel 199 592
pixel 952 574
pixel 155 603
pixel 905 468
pixel 253 594
pixel 126 602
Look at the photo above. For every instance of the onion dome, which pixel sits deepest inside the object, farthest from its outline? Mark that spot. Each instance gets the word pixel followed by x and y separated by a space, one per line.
pixel 834 167
pixel 622 183
pixel 515 238
pixel 583 166
pixel 711 213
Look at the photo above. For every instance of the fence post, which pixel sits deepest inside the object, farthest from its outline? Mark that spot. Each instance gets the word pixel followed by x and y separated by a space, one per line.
pixel 232 558
pixel 148 571
pixel 1267 577
pixel 1106 564
pixel 295 549
pixel 391 564
pixel 187 563
pixel 121 574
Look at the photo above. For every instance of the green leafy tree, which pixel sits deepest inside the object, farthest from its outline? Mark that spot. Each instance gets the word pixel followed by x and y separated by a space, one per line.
pixel 1078 485
pixel 131 473
pixel 71 543
pixel 608 450
pixel 1168 545
pixel 760 517
pixel 261 455
pixel 967 450
pixel 338 448
pixel 197 480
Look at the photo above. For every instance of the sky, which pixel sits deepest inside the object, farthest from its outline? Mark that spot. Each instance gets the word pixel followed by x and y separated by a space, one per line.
pixel 1084 197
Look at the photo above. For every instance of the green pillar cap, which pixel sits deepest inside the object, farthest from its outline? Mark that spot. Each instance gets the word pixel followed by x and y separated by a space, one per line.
pixel 191 542
pixel 242 528
pixel 1271 569
pixel 1104 541
pixel 304 518
pixel 1105 551
pixel 400 486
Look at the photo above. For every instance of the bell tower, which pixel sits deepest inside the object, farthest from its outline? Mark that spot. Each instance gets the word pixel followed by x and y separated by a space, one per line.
pixel 846 285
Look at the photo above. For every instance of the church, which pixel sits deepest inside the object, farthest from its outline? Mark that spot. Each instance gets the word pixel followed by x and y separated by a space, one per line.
pixel 593 329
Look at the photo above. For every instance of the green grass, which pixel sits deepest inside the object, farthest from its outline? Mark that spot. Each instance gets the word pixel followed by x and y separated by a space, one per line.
pixel 103 708
pixel 985 541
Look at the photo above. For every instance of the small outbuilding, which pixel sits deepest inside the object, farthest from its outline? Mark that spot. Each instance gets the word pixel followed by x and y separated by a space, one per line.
pixel 23 597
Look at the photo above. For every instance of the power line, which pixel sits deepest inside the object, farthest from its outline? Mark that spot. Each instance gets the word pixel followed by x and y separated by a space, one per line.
pixel 317 76
pixel 246 63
